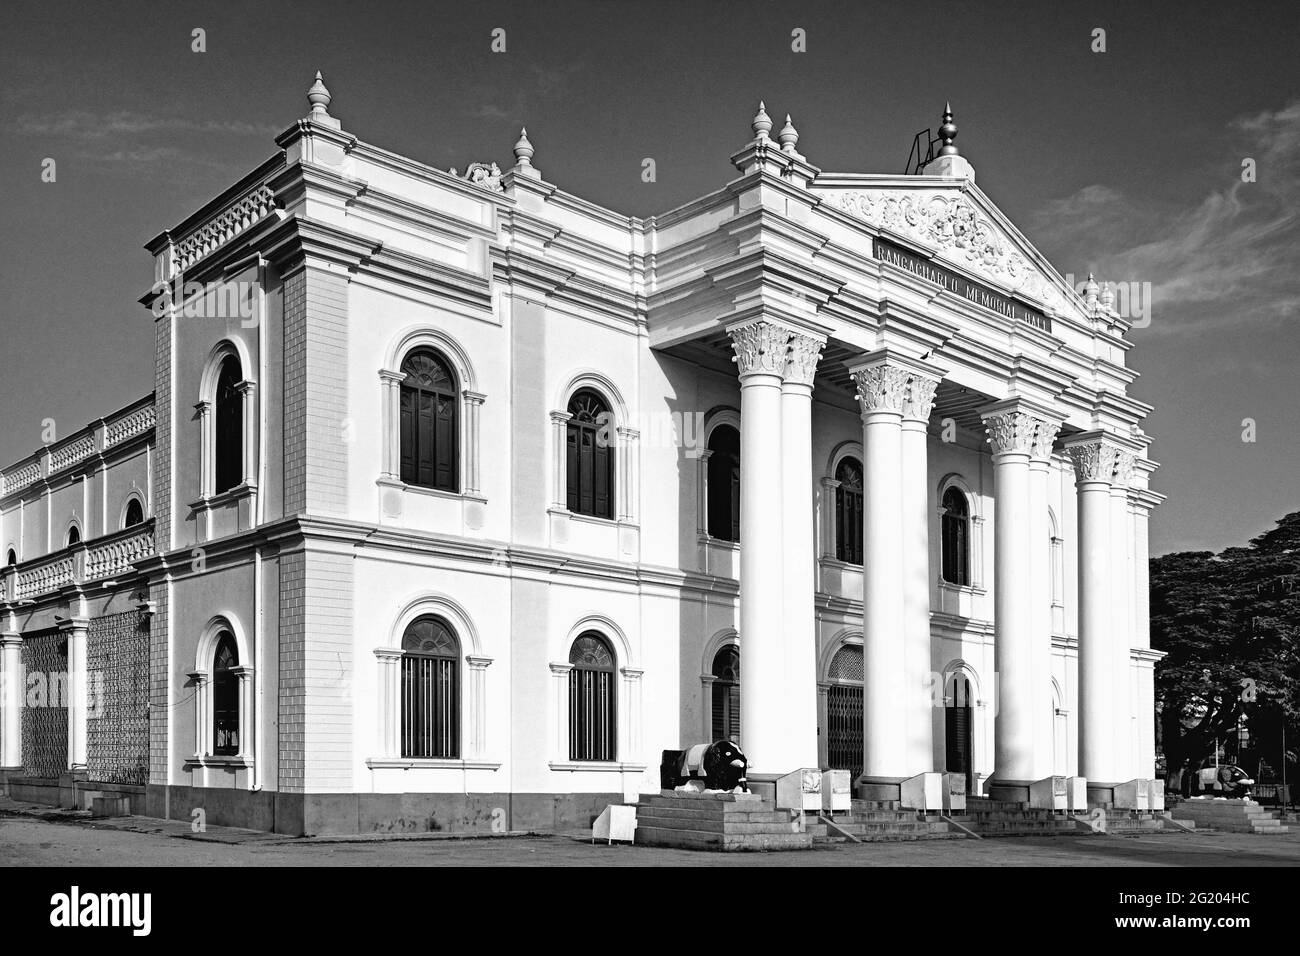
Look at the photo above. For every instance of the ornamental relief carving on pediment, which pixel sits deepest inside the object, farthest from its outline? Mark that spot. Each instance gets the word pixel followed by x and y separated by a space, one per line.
pixel 959 232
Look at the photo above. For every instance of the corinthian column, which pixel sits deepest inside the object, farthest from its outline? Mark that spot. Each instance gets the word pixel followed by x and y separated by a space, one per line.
pixel 1121 612
pixel 799 573
pixel 761 348
pixel 1094 466
pixel 883 384
pixel 918 701
pixel 1014 434
pixel 1040 544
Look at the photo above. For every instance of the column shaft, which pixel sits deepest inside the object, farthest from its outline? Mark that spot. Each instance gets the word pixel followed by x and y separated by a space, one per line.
pixel 78 697
pixel 760 357
pixel 918 700
pixel 1022 749
pixel 1040 562
pixel 800 742
pixel 1094 464
pixel 1121 609
pixel 11 700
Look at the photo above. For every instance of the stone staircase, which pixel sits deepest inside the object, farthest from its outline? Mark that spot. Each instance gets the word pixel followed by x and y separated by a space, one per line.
pixel 718 821
pixel 1233 816
pixel 1001 818
pixel 880 821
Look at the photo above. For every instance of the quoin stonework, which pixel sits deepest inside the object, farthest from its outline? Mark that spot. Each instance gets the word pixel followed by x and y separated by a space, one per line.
pixel 389 546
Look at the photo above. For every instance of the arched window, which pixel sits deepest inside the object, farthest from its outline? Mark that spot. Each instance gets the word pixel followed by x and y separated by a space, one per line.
pixel 74 536
pixel 134 513
pixel 844 710
pixel 430 689
pixel 724 483
pixel 228 448
pixel 956 538
pixel 726 694
pixel 12 558
pixel 958 731
pixel 591 699
pixel 430 449
pixel 848 511
pixel 225 698
pixel 589 456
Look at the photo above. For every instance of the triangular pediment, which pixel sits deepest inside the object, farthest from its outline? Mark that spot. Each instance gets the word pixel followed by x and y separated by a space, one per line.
pixel 959 226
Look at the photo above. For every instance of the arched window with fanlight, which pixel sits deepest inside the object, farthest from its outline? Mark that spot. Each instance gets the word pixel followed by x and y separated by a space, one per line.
pixel 956 538
pixel 589 455
pixel 724 483
pixel 228 446
pixel 225 698
pixel 726 694
pixel 592 726
pixel 429 442
pixel 848 511
pixel 430 689
pixel 134 513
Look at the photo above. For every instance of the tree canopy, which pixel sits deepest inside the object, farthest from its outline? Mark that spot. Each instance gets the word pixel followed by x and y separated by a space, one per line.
pixel 1229 623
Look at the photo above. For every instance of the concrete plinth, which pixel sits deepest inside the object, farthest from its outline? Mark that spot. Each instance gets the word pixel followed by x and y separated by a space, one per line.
pixel 1009 791
pixel 878 788
pixel 1158 796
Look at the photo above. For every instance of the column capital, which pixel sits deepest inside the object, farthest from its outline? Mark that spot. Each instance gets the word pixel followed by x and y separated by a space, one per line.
pixel 560 418
pixel 560 670
pixel 391 377
pixel 801 360
pixel 473 398
pixel 761 347
pixel 1015 426
pixel 1099 457
pixel 477 663
pixel 889 381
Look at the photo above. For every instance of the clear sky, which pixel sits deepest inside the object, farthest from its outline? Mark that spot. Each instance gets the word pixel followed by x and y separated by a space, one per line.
pixel 1126 162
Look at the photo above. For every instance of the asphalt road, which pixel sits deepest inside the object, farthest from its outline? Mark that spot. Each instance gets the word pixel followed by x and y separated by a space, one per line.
pixel 27 841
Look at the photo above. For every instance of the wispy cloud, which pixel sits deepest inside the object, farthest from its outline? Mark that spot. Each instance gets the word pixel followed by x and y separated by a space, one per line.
pixel 1227 257
pixel 134 139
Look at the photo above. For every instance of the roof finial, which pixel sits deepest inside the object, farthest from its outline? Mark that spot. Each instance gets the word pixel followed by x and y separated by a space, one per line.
pixel 1107 296
pixel 1090 291
pixel 319 98
pixel 524 156
pixel 762 124
pixel 789 136
pixel 948 132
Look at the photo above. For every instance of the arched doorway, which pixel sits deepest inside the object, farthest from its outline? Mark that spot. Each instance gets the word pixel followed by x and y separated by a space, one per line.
pixel 958 713
pixel 844 710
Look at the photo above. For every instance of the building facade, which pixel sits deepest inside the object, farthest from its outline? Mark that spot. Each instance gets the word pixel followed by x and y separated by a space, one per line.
pixel 458 498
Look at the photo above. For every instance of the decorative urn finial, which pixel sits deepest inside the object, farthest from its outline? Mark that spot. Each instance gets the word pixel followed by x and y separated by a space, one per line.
pixel 948 132
pixel 762 124
pixel 319 98
pixel 523 149
pixel 1090 291
pixel 1107 296
pixel 789 136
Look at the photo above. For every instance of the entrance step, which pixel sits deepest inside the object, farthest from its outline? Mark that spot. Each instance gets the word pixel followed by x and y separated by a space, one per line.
pixel 1233 816
pixel 718 821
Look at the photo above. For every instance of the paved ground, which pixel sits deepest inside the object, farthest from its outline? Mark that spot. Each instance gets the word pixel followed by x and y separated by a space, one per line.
pixel 62 840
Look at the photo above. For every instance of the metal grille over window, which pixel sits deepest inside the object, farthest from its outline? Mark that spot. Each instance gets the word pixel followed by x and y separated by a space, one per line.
pixel 844 711
pixel 848 511
pixel 591 699
pixel 45 714
pixel 430 690
pixel 117 726
pixel 726 694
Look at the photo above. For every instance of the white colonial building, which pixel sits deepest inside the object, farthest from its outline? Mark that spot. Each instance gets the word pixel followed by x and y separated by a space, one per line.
pixel 458 498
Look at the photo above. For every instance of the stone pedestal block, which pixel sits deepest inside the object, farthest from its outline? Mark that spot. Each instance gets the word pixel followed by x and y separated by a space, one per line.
pixel 1050 793
pixel 922 792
